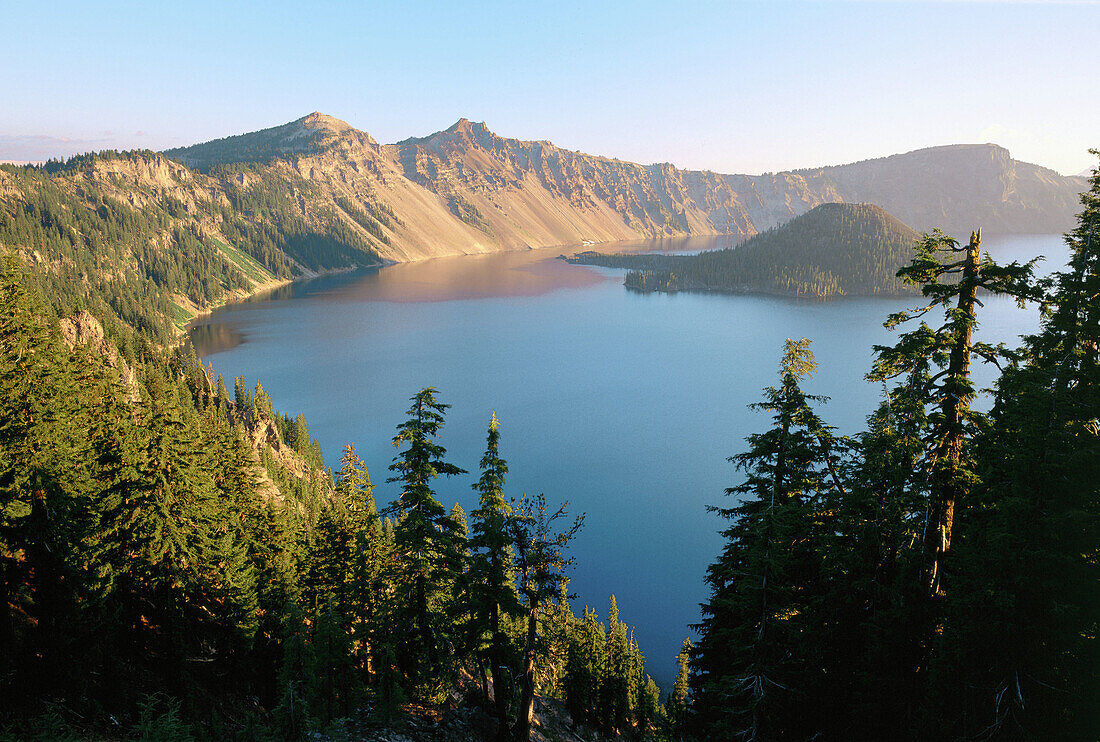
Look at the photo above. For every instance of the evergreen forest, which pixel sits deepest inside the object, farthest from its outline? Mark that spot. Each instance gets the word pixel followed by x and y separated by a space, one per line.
pixel 177 562
pixel 145 245
pixel 835 249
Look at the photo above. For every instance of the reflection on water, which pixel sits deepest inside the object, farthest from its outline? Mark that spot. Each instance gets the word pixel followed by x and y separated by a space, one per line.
pixel 507 274
pixel 214 338
pixel 526 273
pixel 463 277
pixel 495 275
pixel 624 404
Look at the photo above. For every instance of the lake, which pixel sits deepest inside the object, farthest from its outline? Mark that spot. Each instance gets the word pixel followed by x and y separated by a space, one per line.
pixel 626 405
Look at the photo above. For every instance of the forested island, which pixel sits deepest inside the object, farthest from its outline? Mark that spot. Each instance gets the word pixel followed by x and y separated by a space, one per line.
pixel 176 561
pixel 833 250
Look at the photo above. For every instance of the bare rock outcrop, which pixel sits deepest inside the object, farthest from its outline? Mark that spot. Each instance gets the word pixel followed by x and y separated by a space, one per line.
pixel 83 329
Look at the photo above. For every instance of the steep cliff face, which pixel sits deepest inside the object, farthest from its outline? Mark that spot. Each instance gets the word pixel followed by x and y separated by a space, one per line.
pixel 533 193
pixel 198 225
pixel 469 190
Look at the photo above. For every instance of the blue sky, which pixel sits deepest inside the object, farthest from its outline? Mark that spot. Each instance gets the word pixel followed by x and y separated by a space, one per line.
pixel 729 86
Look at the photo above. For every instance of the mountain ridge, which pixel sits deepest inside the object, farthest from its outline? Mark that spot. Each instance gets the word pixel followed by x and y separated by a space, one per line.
pixel 482 192
pixel 191 228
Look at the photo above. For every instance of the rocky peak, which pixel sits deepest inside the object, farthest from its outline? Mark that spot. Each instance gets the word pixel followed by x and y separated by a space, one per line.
pixel 307 135
pixel 318 121
pixel 469 128
pixel 462 136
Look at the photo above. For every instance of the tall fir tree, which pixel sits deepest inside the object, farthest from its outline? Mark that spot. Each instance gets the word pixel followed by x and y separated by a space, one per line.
pixel 540 540
pixel 951 283
pixel 426 540
pixel 750 665
pixel 1019 658
pixel 678 703
pixel 494 593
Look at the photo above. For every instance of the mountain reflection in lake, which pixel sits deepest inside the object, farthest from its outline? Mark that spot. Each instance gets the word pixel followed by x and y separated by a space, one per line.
pixel 625 404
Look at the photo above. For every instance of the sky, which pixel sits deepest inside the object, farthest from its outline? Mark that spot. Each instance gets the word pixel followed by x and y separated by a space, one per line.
pixel 737 87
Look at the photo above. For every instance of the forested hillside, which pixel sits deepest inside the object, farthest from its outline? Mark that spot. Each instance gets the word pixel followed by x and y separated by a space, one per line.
pixel 151 240
pixel 176 561
pixel 146 244
pixel 176 557
pixel 936 576
pixel 834 250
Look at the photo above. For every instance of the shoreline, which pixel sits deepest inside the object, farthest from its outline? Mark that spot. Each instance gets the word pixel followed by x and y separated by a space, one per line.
pixel 237 297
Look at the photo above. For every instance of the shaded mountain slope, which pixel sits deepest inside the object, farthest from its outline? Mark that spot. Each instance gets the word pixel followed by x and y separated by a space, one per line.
pixel 307 134
pixel 961 187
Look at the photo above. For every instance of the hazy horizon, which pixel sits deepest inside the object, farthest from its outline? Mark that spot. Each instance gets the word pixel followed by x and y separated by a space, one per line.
pixel 741 87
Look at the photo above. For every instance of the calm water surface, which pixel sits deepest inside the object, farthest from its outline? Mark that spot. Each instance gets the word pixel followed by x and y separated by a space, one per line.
pixel 626 405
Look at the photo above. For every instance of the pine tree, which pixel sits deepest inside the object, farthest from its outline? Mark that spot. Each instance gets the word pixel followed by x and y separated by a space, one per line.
pixel 293 715
pixel 354 487
pixel 1019 658
pixel 615 675
pixel 584 661
pixel 873 618
pixel 648 710
pixel 491 576
pixel 541 561
pixel 47 487
pixel 678 702
pixel 425 538
pixel 366 592
pixel 949 462
pixel 749 665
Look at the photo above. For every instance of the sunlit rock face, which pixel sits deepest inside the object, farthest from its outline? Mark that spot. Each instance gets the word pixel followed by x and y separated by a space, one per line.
pixel 468 190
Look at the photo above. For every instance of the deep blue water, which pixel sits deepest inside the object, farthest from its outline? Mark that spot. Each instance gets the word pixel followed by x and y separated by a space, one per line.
pixel 626 405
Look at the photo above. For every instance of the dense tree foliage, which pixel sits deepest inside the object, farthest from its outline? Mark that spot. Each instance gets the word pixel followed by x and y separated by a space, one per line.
pixel 177 562
pixel 144 258
pixel 164 539
pixel 935 576
pixel 833 250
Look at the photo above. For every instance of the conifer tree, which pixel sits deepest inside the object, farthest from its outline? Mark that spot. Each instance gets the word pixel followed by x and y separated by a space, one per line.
pixel 45 482
pixel 1019 658
pixel 492 581
pixel 425 538
pixel 648 708
pixel 873 618
pixel 748 665
pixel 354 487
pixel 949 462
pixel 677 705
pixel 293 715
pixel 584 662
pixel 366 592
pixel 541 561
pixel 615 675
